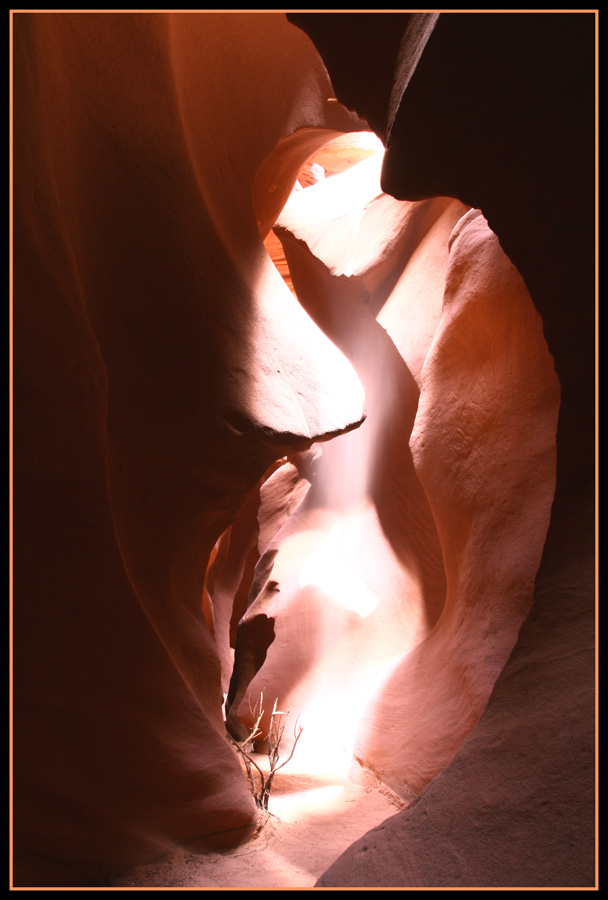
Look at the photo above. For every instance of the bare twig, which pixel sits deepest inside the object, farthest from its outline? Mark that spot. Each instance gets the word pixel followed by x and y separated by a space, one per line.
pixel 297 731
pixel 278 720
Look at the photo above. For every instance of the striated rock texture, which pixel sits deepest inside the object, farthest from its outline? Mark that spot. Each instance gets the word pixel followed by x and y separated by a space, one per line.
pixel 498 111
pixel 160 367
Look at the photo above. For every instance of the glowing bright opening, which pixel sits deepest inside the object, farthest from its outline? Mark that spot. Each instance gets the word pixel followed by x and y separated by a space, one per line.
pixel 343 178
pixel 302 382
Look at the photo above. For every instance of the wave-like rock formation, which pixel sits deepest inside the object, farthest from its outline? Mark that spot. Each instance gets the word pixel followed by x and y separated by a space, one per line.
pixel 341 487
pixel 498 111
pixel 161 366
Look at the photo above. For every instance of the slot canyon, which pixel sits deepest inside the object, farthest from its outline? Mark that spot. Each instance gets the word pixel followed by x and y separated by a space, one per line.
pixel 304 407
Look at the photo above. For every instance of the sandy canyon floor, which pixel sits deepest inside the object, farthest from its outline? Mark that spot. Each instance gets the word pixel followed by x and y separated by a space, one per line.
pixel 312 819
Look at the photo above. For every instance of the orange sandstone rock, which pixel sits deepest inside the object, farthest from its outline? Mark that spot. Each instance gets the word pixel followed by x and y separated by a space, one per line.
pixel 160 367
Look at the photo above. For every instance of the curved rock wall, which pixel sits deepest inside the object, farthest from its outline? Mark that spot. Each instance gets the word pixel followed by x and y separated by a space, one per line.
pixel 499 113
pixel 160 367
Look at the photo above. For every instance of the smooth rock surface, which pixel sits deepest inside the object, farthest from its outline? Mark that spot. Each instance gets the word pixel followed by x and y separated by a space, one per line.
pixel 160 367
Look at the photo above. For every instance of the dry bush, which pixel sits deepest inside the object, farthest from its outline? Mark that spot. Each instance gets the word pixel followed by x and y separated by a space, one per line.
pixel 261 785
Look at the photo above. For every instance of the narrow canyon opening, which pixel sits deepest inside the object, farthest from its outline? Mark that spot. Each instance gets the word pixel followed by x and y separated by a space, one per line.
pixel 328 565
pixel 329 591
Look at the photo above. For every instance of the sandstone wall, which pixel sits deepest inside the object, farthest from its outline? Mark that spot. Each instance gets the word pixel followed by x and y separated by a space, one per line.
pixel 498 111
pixel 160 367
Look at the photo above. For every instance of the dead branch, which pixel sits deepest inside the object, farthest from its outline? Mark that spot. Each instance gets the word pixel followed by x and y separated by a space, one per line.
pixel 278 719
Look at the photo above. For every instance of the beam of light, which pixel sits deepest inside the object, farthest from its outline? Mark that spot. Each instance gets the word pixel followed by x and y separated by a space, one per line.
pixel 332 719
pixel 343 572
pixel 344 593
pixel 333 569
